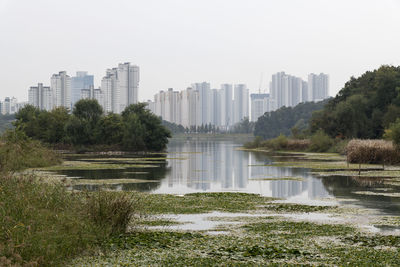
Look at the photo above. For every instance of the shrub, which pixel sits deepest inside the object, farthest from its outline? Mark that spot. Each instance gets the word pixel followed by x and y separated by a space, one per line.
pixel 298 144
pixel 320 142
pixel 255 143
pixel 372 151
pixel 111 210
pixel 278 143
pixel 18 152
pixel 45 224
pixel 393 133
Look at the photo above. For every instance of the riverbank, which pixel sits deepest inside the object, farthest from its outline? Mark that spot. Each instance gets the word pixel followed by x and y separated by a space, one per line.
pixel 248 229
pixel 231 228
pixel 205 229
pixel 213 136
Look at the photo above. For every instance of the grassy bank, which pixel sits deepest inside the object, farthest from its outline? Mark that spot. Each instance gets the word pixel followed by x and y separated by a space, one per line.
pixel 41 223
pixel 213 136
pixel 319 142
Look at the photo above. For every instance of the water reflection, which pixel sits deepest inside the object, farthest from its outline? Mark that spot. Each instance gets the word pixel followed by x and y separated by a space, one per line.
pixel 210 166
pixel 218 166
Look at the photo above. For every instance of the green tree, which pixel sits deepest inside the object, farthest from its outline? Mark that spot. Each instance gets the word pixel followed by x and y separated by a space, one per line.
pixel 111 129
pixel 88 112
pixel 364 107
pixel 393 133
pixel 26 119
pixel 155 135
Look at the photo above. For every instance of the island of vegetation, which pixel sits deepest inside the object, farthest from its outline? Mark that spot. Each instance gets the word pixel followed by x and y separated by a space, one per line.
pixel 89 128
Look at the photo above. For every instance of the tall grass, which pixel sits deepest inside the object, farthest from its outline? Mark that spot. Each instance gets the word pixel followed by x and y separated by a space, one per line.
pixel 41 223
pixel 318 142
pixel 18 152
pixel 372 151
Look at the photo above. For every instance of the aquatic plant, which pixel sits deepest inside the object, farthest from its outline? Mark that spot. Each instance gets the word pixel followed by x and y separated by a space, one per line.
pixel 372 151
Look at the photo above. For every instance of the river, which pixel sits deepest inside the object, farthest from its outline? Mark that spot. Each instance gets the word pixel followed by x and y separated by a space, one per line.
pixel 206 165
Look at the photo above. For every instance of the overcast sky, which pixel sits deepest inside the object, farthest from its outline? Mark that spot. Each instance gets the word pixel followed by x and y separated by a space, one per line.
pixel 179 42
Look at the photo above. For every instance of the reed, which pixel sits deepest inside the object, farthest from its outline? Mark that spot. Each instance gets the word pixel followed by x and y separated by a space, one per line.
pixel 372 152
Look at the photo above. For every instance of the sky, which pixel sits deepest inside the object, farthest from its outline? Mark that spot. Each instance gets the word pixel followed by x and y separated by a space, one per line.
pixel 180 42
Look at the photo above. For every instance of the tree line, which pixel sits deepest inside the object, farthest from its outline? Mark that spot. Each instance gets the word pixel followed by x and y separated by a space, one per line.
pixel 6 122
pixel 364 108
pixel 287 120
pixel 135 129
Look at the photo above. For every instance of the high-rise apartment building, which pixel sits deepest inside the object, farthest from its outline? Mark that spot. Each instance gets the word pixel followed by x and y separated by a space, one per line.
pixel 78 83
pixel 226 105
pixel 61 89
pixel 240 103
pixel 128 83
pixel 10 106
pixel 204 93
pixel 318 87
pixel 109 86
pixel 189 107
pixel 120 87
pixel 260 103
pixel 41 97
pixel 215 107
pixel 286 90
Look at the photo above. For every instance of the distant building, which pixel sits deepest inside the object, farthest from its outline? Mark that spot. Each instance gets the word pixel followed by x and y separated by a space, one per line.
pixel 93 93
pixel 120 87
pixel 286 90
pixel 61 89
pixel 128 83
pixel 318 87
pixel 226 105
pixel 41 97
pixel 78 83
pixel 109 86
pixel 190 108
pixel 9 106
pixel 240 103
pixel 204 94
pixel 260 103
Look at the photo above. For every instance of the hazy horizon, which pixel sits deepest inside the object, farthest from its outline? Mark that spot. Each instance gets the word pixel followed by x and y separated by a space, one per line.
pixel 176 43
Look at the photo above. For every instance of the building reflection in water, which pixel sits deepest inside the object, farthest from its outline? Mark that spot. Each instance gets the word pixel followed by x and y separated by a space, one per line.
pixel 210 166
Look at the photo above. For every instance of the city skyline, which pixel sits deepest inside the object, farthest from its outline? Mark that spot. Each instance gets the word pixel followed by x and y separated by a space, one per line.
pixel 216 46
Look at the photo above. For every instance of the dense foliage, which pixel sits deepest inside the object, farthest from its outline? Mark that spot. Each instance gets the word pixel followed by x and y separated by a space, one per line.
pixel 245 126
pixel 364 107
pixel 283 120
pixel 135 129
pixel 6 122
pixel 174 128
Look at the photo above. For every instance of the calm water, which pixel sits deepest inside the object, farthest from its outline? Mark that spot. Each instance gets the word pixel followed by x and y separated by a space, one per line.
pixel 217 166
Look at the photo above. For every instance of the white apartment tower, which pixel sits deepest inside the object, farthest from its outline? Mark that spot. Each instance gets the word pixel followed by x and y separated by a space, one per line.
pixel 190 108
pixel 61 88
pixel 260 103
pixel 318 87
pixel 286 90
pixel 226 105
pixel 41 97
pixel 128 82
pixel 204 93
pixel 120 87
pixel 109 86
pixel 240 103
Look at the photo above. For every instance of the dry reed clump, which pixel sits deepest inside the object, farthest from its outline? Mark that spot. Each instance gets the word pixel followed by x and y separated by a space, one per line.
pixel 372 151
pixel 298 144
